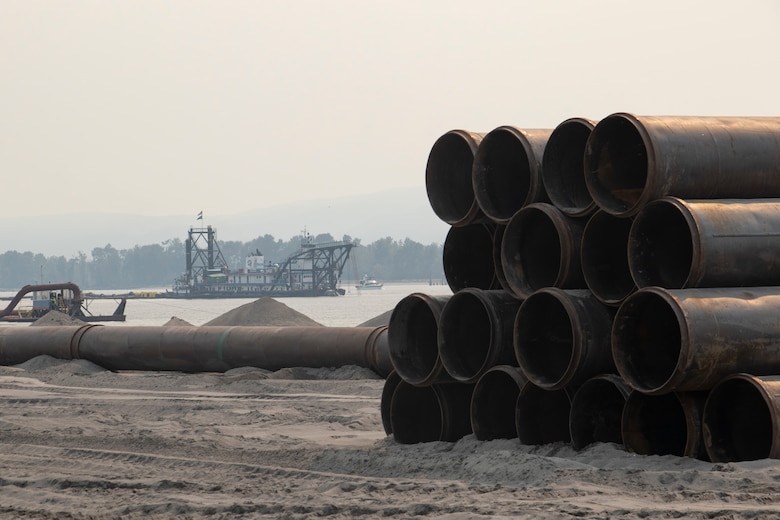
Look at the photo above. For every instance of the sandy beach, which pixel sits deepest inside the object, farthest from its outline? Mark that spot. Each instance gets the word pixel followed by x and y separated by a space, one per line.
pixel 79 441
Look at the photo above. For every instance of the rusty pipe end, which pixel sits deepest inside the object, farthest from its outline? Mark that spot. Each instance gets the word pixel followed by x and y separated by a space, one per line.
pixel 439 412
pixel 657 425
pixel 468 258
pixel 507 171
pixel 493 403
pixel 596 411
pixel 618 161
pixel 475 332
pixel 649 340
pixel 663 245
pixel 563 168
pixel 604 258
pixel 412 336
pixel 448 177
pixel 391 383
pixel 740 420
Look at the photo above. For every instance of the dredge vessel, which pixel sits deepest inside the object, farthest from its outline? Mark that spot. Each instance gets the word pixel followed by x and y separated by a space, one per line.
pixel 315 270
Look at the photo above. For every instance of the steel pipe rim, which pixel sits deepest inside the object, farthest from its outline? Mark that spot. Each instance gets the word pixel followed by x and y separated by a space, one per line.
pixel 563 167
pixel 647 349
pixel 604 258
pixel 493 403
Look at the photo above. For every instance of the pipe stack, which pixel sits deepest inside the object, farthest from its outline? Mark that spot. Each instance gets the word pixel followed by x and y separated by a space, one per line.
pixel 645 274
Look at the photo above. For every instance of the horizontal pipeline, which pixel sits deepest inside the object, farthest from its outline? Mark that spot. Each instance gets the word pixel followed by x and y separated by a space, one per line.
pixel 201 349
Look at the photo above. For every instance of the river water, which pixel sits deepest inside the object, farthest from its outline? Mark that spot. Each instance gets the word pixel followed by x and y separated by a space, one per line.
pixel 354 308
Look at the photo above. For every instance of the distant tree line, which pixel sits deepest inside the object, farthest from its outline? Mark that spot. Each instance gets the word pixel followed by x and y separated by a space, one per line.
pixel 157 265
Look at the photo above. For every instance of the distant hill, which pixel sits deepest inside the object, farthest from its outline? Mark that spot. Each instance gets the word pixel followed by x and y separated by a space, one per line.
pixel 399 214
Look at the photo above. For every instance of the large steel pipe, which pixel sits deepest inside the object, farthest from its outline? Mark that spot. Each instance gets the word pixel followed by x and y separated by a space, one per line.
pixel 604 254
pixel 668 424
pixel 448 178
pixel 666 340
pixel 541 248
pixel 631 160
pixel 678 244
pixel 542 416
pixel 388 389
pixel 741 419
pixel 493 403
pixel 412 334
pixel 597 410
pixel 195 349
pixel 438 412
pixel 201 349
pixel 563 170
pixel 507 172
pixel 562 338
pixel 475 333
pixel 468 258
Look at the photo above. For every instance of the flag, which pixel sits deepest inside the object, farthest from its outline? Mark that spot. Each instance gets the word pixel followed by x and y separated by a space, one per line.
pixel 200 216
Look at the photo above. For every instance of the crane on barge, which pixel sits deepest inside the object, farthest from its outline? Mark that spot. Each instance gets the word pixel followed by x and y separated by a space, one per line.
pixel 314 270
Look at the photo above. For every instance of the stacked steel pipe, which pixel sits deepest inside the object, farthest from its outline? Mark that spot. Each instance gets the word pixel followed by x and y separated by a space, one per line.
pixel 643 258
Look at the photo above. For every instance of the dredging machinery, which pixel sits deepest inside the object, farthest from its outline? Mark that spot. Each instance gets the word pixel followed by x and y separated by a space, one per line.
pixel 66 298
pixel 314 270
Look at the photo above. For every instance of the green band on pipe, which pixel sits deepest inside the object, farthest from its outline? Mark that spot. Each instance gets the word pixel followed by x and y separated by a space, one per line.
pixel 222 338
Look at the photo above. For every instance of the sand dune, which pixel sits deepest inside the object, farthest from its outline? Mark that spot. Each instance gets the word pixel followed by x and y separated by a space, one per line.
pixel 82 442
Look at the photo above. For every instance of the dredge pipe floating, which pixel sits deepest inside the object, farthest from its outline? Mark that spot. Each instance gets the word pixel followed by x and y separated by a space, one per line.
pixel 666 340
pixel 679 244
pixel 631 160
pixel 542 416
pixel 493 403
pixel 507 172
pixel 468 259
pixel 562 338
pixel 605 259
pixel 438 412
pixel 741 419
pixel 668 424
pixel 541 248
pixel 448 178
pixel 475 333
pixel 596 411
pixel 201 349
pixel 412 335
pixel 563 169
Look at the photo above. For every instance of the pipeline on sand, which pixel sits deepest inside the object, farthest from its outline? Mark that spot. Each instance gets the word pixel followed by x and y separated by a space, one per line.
pixel 201 349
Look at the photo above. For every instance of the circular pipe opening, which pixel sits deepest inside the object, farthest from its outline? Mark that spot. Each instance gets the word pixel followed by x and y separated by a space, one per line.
pixel 655 424
pixel 737 421
pixel 391 383
pixel 416 414
pixel 531 251
pixel 616 164
pixel 412 339
pixel 647 340
pixel 466 335
pixel 542 416
pixel 502 173
pixel 448 177
pixel 605 258
pixel 660 246
pixel 468 257
pixel 563 168
pixel 493 404
pixel 544 338
pixel 596 411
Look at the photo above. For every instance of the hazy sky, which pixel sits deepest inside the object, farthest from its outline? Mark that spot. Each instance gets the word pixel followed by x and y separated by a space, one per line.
pixel 172 107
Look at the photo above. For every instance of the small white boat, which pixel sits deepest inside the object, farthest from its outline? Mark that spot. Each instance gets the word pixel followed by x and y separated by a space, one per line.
pixel 368 283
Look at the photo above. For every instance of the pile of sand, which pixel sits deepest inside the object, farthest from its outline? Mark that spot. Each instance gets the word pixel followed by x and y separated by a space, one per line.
pixel 57 318
pixel 177 322
pixel 378 321
pixel 264 312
